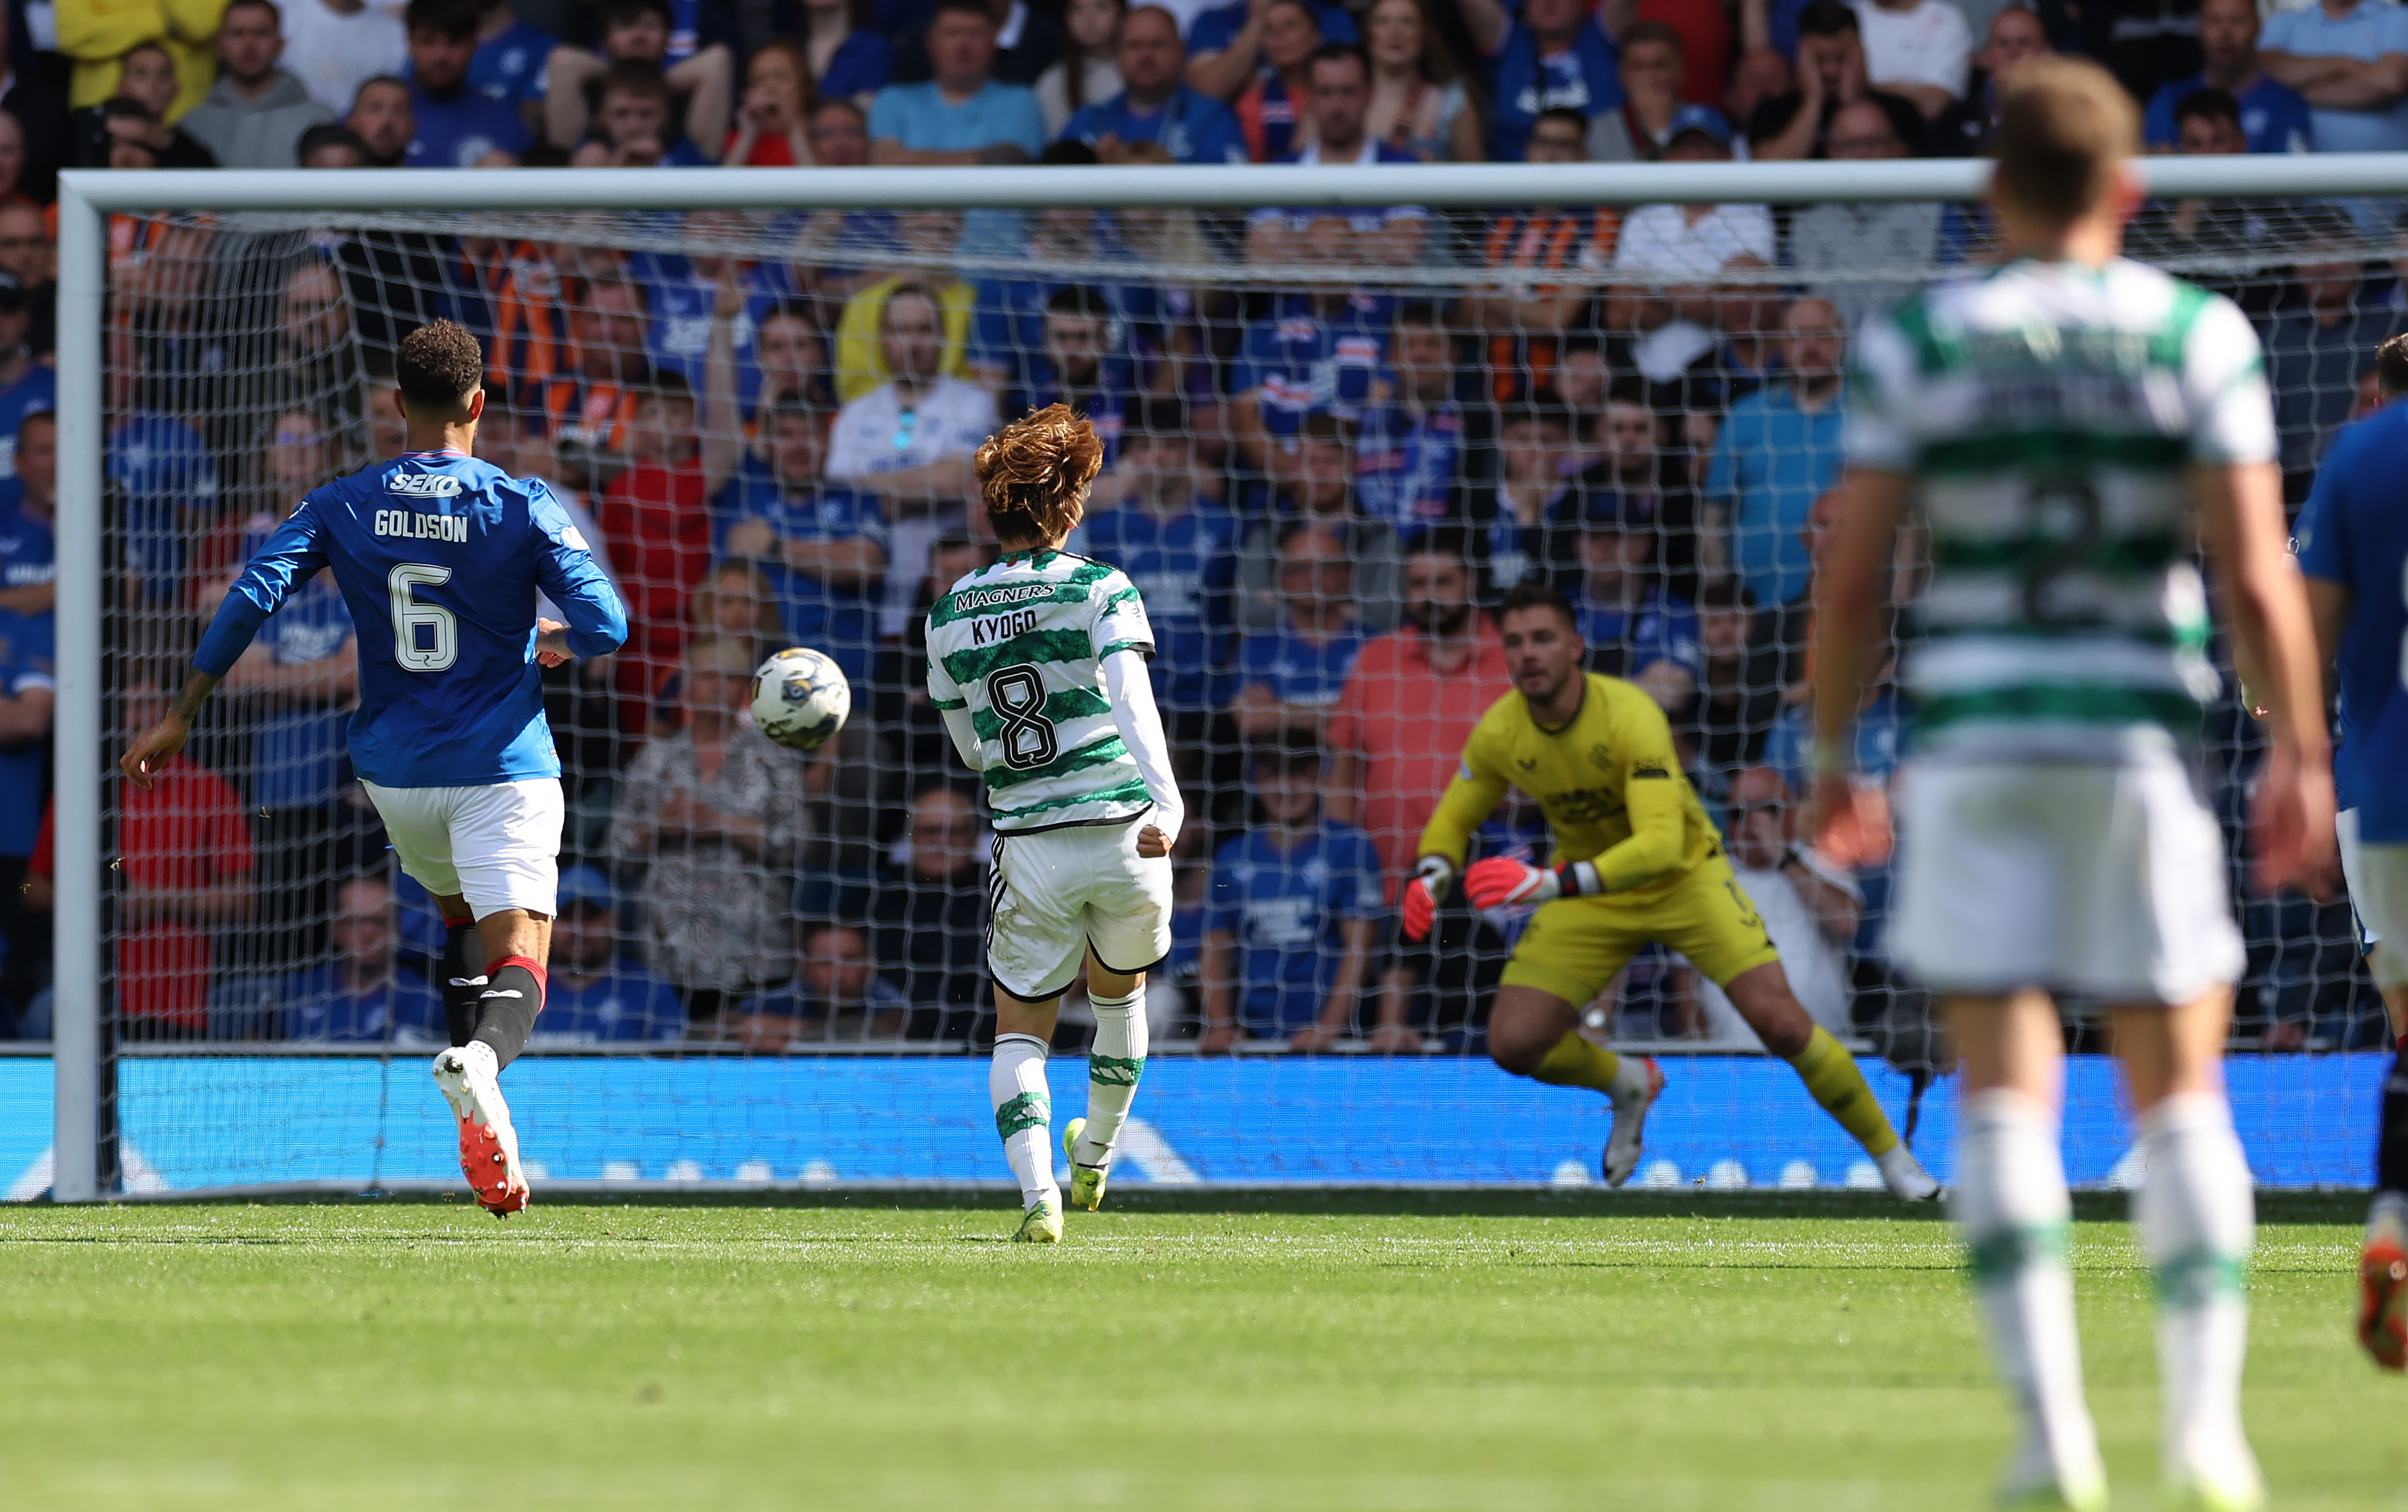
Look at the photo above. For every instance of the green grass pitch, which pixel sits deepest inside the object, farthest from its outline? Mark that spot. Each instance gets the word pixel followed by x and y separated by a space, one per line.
pixel 1519 1354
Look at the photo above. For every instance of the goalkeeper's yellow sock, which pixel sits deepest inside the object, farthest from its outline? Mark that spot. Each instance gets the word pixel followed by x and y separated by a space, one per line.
pixel 1573 1061
pixel 1829 1072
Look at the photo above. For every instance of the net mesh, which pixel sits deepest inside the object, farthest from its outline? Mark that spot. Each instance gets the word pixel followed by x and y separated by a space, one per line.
pixel 1308 415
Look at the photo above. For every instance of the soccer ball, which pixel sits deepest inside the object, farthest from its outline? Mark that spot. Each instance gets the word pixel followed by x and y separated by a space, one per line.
pixel 800 698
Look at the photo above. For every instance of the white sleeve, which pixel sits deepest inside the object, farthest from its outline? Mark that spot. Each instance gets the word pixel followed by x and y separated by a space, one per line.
pixel 2224 378
pixel 1874 432
pixel 965 733
pixel 1131 686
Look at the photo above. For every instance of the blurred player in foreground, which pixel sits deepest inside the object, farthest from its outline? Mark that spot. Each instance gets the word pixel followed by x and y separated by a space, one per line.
pixel 2059 419
pixel 2353 544
pixel 439 558
pixel 1635 860
pixel 1039 663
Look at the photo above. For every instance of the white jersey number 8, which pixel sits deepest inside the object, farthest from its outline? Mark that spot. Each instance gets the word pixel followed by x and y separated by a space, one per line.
pixel 409 614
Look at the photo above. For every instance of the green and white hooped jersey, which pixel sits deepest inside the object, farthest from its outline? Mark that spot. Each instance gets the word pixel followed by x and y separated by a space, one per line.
pixel 1020 645
pixel 2051 412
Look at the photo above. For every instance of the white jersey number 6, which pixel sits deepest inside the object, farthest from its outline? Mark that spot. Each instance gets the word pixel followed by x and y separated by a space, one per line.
pixel 408 615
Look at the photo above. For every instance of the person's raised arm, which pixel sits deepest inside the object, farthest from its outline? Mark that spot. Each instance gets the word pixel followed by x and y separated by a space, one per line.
pixel 292 555
pixel 722 422
pixel 1222 74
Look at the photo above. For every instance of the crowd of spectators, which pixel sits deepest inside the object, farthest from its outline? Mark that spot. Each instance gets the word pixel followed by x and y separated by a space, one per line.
pixel 1319 475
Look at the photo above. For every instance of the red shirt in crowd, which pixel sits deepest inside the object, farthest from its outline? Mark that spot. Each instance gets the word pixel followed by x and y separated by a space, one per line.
pixel 1407 721
pixel 185 834
pixel 657 525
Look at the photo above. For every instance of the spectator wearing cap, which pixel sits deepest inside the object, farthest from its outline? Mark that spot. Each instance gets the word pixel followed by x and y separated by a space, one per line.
pixel 1556 52
pixel 1619 605
pixel 928 925
pixel 1832 71
pixel 1416 449
pixel 1917 48
pixel 1182 553
pixel 715 815
pixel 1287 951
pixel 1677 244
pixel 1777 451
pixel 25 385
pixel 253 116
pixel 1289 674
pixel 2274 118
pixel 1855 237
pixel 1338 97
pixel 595 996
pixel 457 125
pixel 1156 103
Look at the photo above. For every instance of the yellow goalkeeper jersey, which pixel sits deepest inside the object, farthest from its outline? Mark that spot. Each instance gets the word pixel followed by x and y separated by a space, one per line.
pixel 1609 782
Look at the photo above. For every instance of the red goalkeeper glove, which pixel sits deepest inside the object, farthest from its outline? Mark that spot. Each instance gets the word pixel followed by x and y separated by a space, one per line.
pixel 1423 890
pixel 1501 881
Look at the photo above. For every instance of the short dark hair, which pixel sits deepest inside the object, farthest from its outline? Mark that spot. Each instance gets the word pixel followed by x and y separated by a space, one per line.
pixel 1078 299
pixel 1448 541
pixel 1538 594
pixel 438 365
pixel 454 19
pixel 50 416
pixel 1424 313
pixel 1572 116
pixel 1157 415
pixel 126 108
pixel 331 134
pixel 620 12
pixel 797 407
pixel 1544 407
pixel 1338 52
pixel 1321 426
pixel 1827 18
pixel 275 11
pixel 633 75
pixel 1653 31
pixel 2390 368
pixel 666 385
pixel 1070 152
pixel 1726 593
pixel 967 8
pixel 2208 103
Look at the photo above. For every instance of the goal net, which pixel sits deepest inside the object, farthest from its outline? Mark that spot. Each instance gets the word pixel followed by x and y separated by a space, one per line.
pixel 1334 439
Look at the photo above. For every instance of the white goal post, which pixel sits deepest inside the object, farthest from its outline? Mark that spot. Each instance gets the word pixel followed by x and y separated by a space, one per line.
pixel 88 198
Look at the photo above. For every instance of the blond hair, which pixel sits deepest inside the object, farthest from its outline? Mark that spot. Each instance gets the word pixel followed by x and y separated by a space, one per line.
pixel 1034 475
pixel 2065 126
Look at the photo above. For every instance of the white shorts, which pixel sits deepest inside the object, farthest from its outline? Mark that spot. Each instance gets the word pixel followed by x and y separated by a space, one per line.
pixel 1056 893
pixel 2100 878
pixel 496 845
pixel 2377 875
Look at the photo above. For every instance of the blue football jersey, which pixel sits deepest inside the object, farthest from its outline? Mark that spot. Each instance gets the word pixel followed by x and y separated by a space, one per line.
pixel 440 557
pixel 2354 531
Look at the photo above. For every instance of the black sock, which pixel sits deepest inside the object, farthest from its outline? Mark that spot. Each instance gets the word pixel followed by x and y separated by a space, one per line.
pixel 462 980
pixel 507 1009
pixel 2391 1151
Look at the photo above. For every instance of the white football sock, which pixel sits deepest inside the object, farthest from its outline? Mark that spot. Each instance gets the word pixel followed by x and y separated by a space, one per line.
pixel 2197 1219
pixel 1024 1113
pixel 2011 1201
pixel 1114 1062
pixel 478 1055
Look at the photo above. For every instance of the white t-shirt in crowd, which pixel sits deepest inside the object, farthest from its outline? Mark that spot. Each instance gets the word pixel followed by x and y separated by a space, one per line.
pixel 1928 43
pixel 1661 241
pixel 879 434
pixel 1817 969
pixel 332 54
